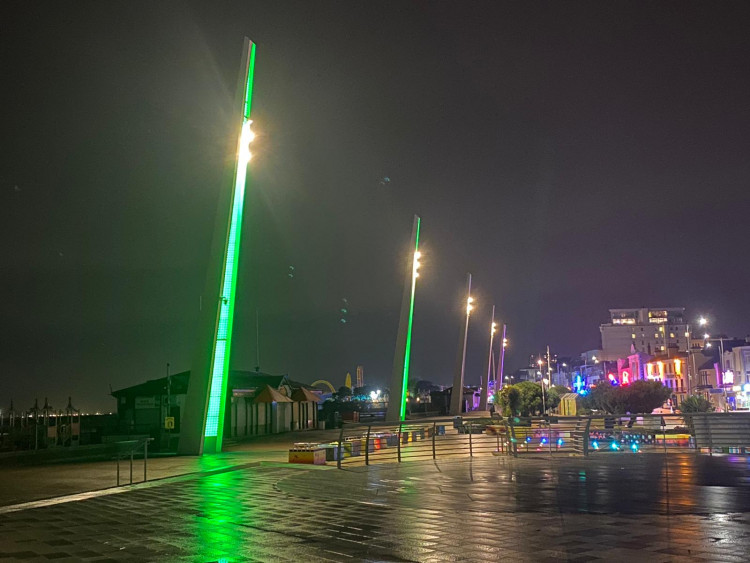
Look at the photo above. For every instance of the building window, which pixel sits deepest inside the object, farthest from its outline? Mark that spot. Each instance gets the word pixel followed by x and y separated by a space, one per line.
pixel 633 335
pixel 671 335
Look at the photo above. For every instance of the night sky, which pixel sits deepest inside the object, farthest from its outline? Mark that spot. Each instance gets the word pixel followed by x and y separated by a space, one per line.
pixel 573 156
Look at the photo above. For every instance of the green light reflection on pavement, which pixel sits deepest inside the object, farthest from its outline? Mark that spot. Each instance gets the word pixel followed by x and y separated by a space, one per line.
pixel 219 530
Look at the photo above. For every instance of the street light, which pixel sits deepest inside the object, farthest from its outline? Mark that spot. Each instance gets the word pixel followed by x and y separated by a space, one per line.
pixel 485 383
pixel 397 405
pixel 458 376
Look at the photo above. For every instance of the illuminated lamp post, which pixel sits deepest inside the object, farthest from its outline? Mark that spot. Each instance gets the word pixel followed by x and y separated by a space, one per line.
pixel 485 384
pixel 502 355
pixel 457 393
pixel 702 322
pixel 540 363
pixel 707 338
pixel 400 374
pixel 203 426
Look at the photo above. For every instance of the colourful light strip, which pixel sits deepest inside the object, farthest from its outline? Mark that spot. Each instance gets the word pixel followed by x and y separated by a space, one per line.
pixel 407 352
pixel 223 339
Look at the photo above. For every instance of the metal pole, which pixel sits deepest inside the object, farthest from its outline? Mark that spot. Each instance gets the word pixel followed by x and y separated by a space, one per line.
pixel 398 448
pixel 434 431
pixel 457 393
pixel 145 460
pixel 367 446
pixel 471 446
pixel 131 467
pixel 549 367
pixel 118 471
pixel 485 383
pixel 721 370
pixel 502 356
pixel 340 453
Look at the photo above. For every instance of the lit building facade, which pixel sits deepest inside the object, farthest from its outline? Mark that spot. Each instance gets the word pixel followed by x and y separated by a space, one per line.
pixel 647 330
pixel 672 372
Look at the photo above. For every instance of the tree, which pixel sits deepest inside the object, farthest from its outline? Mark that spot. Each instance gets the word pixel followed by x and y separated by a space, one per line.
pixel 508 399
pixel 696 403
pixel 531 398
pixel 644 396
pixel 604 398
pixel 554 394
pixel 343 391
pixel 638 397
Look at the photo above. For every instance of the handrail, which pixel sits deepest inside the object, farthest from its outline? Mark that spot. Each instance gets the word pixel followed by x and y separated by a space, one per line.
pixel 466 436
pixel 135 445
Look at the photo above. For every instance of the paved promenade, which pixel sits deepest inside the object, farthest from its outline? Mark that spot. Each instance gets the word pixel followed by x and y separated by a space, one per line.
pixel 616 507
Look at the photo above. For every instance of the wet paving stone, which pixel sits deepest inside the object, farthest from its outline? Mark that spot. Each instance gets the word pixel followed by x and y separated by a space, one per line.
pixel 617 508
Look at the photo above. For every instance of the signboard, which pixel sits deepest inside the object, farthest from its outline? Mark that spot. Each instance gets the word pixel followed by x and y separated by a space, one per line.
pixel 169 422
pixel 145 402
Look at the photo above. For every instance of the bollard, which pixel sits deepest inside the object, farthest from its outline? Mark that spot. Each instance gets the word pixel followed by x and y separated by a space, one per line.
pixel 471 448
pixel 434 456
pixel 341 448
pixel 367 446
pixel 399 441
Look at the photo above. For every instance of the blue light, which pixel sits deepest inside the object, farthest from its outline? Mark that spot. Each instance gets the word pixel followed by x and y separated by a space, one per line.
pixel 559 441
pixel 528 439
pixel 595 445
pixel 614 446
pixel 579 385
pixel 634 446
pixel 543 441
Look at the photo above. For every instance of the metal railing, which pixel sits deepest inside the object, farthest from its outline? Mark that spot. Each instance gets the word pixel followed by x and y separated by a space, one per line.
pixel 551 435
pixel 128 449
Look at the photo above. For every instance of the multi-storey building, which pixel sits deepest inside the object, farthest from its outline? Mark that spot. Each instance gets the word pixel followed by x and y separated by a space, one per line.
pixel 672 372
pixel 648 330
pixel 737 364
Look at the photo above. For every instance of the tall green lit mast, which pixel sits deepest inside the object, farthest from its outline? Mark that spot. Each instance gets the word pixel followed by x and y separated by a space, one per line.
pixel 203 426
pixel 400 376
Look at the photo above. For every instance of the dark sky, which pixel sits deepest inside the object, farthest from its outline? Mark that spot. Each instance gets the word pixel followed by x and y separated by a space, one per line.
pixel 573 156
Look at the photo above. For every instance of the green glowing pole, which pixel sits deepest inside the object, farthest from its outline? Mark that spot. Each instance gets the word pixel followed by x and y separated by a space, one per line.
pixel 400 375
pixel 203 423
pixel 223 340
